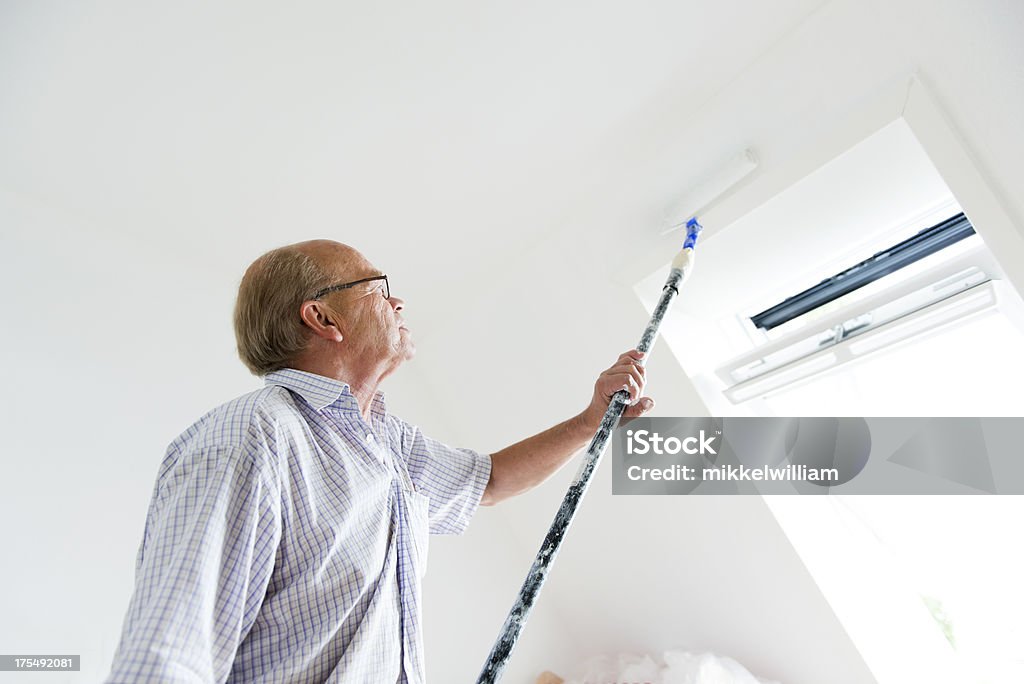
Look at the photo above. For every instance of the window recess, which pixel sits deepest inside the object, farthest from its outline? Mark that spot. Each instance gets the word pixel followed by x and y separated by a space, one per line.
pixel 951 293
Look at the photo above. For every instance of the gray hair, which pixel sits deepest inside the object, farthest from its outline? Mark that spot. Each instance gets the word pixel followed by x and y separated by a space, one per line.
pixel 268 329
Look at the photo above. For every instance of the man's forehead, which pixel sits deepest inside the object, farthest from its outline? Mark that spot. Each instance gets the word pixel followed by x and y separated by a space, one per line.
pixel 340 259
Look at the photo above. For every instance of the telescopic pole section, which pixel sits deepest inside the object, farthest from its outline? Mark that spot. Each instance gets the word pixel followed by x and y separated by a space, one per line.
pixel 516 620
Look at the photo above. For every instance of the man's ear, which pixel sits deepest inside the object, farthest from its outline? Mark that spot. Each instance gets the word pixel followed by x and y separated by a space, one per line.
pixel 319 318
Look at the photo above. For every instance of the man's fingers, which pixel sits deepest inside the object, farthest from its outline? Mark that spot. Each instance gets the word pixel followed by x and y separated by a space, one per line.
pixel 622 381
pixel 620 373
pixel 640 408
pixel 634 374
pixel 629 363
pixel 631 355
pixel 638 372
pixel 632 388
pixel 628 374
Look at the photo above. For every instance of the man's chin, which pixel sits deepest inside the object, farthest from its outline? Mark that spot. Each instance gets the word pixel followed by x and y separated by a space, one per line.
pixel 407 348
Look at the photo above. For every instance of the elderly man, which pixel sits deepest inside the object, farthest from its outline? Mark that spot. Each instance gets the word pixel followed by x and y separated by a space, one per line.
pixel 287 532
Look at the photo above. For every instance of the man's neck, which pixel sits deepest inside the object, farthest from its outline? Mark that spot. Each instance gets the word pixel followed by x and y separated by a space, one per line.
pixel 362 382
pixel 364 393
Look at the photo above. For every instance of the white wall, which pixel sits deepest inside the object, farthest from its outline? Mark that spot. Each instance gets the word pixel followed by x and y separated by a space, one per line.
pixel 100 339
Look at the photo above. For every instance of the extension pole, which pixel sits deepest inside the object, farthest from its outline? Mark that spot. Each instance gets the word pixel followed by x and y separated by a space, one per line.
pixel 514 623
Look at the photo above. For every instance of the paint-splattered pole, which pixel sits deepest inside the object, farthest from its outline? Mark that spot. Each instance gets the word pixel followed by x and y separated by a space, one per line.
pixel 502 649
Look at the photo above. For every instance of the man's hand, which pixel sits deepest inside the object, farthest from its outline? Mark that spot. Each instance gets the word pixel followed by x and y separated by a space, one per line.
pixel 627 373
pixel 524 465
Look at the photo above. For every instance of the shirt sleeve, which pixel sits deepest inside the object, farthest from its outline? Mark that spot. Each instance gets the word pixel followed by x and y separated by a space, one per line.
pixel 202 571
pixel 453 479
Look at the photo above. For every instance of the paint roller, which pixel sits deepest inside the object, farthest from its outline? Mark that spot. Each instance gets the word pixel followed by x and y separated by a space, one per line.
pixel 684 214
pixel 695 202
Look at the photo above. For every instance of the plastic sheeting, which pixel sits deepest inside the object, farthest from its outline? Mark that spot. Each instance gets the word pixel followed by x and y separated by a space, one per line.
pixel 675 667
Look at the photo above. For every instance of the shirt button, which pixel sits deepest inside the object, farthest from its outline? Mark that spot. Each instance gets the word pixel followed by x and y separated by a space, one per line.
pixel 369 438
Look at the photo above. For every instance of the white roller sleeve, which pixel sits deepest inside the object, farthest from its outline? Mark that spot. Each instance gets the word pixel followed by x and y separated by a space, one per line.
pixel 700 197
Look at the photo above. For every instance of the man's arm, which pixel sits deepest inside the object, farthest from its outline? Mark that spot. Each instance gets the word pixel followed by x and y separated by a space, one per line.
pixel 524 465
pixel 206 562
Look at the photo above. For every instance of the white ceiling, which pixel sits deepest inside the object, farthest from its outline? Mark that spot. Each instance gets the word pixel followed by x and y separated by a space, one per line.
pixel 427 134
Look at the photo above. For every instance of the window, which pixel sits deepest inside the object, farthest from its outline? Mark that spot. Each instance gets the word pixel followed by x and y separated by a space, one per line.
pixel 766 325
pixel 927 588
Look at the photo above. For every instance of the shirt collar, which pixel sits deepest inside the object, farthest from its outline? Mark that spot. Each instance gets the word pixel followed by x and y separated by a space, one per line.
pixel 320 391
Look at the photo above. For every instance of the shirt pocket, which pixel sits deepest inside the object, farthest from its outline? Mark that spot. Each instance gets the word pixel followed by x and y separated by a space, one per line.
pixel 418 507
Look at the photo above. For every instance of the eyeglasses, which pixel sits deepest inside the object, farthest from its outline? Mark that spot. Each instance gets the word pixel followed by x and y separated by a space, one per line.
pixel 386 290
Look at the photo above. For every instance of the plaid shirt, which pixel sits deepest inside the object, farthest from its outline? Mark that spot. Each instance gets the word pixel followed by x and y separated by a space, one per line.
pixel 286 540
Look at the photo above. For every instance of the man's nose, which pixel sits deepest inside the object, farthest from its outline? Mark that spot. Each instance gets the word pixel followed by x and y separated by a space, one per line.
pixel 396 303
